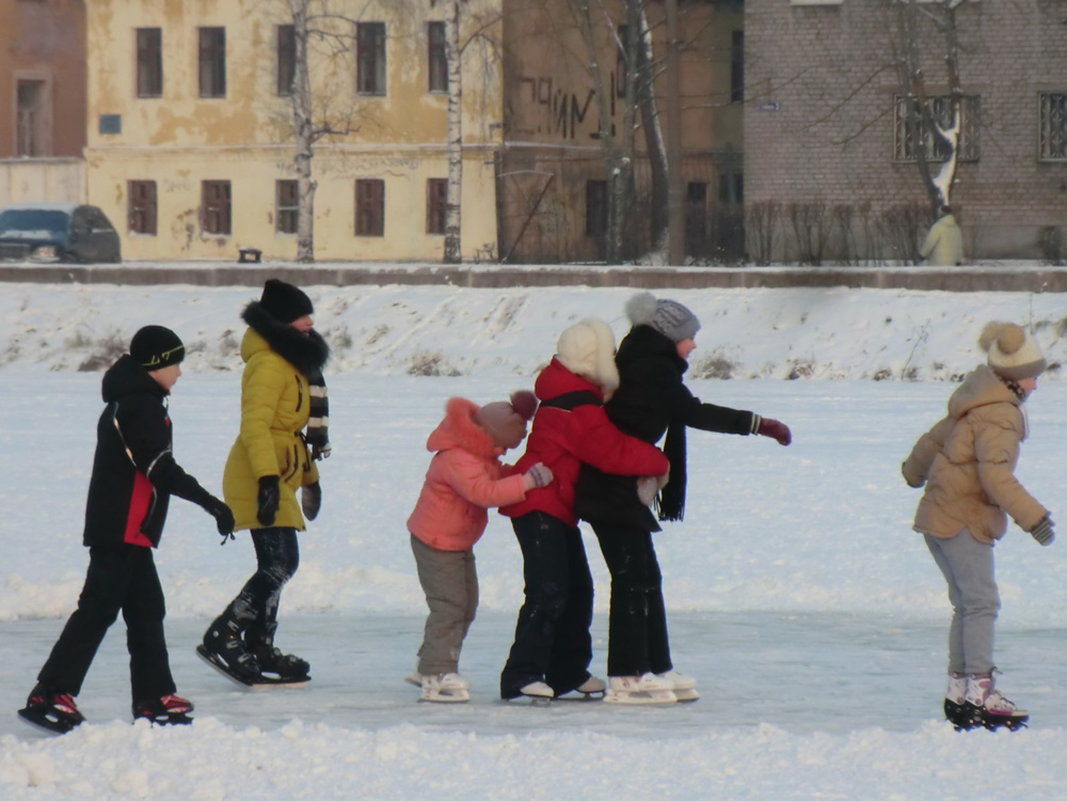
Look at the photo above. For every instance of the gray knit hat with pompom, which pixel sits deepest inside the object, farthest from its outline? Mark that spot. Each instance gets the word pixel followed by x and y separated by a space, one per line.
pixel 669 317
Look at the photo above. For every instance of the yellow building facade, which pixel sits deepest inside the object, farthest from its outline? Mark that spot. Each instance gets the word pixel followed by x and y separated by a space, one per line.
pixel 190 129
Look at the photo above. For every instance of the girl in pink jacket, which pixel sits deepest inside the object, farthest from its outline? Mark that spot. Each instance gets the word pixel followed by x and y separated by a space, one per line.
pixel 464 480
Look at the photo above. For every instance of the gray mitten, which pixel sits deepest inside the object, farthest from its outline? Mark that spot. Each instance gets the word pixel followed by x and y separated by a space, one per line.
pixel 539 475
pixel 311 500
pixel 1043 532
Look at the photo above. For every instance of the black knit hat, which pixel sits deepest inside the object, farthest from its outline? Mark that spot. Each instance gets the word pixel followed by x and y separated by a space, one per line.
pixel 155 347
pixel 285 302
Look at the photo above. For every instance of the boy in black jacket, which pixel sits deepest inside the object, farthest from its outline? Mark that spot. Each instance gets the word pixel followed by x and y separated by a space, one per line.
pixel 134 475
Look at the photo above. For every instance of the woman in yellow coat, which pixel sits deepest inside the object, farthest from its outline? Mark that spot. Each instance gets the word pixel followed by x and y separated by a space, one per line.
pixel 282 391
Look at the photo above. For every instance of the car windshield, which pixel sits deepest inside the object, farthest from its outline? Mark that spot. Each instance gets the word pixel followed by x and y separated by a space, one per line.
pixel 15 222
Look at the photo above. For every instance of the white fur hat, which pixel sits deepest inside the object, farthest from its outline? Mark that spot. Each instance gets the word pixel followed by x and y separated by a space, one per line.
pixel 669 317
pixel 587 349
pixel 1013 354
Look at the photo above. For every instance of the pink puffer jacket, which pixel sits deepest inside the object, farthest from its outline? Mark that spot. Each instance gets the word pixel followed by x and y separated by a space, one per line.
pixel 464 479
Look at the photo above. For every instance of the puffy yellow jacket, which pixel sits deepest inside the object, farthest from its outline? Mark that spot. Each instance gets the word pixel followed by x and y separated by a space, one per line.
pixel 967 462
pixel 275 403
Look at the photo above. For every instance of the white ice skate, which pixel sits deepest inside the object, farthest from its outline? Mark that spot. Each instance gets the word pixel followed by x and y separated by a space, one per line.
pixel 986 706
pixel 592 689
pixel 640 690
pixel 684 686
pixel 446 688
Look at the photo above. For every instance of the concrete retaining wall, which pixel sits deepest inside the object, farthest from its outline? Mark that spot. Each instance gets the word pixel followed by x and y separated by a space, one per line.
pixel 962 279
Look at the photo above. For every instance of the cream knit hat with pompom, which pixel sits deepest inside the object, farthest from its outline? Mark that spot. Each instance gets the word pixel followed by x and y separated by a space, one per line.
pixel 1013 353
pixel 587 349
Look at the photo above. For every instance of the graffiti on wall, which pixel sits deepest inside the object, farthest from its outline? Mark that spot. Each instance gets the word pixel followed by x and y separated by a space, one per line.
pixel 562 112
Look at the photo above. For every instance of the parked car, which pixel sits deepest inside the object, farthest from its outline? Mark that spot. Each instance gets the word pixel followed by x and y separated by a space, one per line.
pixel 50 232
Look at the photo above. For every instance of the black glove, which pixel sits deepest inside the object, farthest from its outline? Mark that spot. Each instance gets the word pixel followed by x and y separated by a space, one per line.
pixel 1042 532
pixel 267 500
pixel 311 500
pixel 222 514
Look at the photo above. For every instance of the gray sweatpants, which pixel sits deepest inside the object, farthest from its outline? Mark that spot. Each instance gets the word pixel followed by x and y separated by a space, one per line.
pixel 450 582
pixel 967 565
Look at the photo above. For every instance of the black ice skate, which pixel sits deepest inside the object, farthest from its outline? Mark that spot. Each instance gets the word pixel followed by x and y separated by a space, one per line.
pixel 169 710
pixel 225 651
pixel 278 668
pixel 275 667
pixel 55 713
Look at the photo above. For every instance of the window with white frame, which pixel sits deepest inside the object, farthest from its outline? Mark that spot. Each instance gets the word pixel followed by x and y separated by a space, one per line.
pixel 910 134
pixel 1052 126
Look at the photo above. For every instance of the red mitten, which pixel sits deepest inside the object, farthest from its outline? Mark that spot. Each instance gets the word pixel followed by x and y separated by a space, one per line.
pixel 769 427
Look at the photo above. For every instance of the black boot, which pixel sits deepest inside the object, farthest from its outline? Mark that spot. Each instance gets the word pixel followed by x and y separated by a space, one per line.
pixel 224 647
pixel 271 661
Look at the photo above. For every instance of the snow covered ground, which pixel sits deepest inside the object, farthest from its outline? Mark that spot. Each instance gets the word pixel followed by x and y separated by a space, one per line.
pixel 812 616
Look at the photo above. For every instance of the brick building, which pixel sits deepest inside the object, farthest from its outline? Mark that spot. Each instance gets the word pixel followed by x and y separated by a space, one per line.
pixel 824 132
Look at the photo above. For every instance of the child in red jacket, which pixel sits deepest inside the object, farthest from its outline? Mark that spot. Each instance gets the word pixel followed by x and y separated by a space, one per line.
pixel 553 647
pixel 464 479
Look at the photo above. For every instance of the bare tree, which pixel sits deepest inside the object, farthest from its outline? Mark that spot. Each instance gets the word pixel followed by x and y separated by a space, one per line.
pixel 457 41
pixel 315 115
pixel 910 21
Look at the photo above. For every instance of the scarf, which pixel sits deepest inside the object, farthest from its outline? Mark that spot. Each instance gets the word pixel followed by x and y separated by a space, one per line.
pixel 670 504
pixel 308 354
pixel 317 434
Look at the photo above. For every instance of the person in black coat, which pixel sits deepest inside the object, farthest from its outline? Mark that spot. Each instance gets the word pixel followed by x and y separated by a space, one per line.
pixel 134 475
pixel 651 401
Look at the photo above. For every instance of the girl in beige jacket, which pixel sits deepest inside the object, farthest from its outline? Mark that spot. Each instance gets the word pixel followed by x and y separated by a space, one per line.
pixel 967 464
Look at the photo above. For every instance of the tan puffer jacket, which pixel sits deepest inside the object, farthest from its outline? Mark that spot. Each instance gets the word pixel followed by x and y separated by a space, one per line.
pixel 967 462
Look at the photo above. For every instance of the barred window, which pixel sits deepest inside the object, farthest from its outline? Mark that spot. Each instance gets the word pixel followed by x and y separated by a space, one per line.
pixel 141 207
pixel 436 204
pixel 437 56
pixel 215 209
pixel 212 62
pixel 285 60
pixel 370 58
pixel 287 206
pixel 149 62
pixel 370 207
pixel 596 208
pixel 1052 126
pixel 909 135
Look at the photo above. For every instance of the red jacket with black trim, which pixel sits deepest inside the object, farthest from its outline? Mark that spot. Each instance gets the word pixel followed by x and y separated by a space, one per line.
pixel 563 439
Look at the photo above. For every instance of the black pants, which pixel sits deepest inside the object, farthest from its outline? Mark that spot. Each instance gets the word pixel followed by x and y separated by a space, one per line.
pixel 122 578
pixel 277 558
pixel 637 626
pixel 552 640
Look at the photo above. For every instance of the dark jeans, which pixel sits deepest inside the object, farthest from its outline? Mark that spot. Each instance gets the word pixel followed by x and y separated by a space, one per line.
pixel 122 578
pixel 637 626
pixel 256 605
pixel 552 640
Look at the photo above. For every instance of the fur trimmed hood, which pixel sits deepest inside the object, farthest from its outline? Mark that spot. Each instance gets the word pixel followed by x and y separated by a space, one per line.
pixel 458 429
pixel 308 353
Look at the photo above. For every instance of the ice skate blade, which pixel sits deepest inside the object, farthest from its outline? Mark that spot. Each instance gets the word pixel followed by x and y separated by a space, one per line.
pixel 580 697
pixel 165 720
pixel 528 700
pixel 452 697
pixel 641 698
pixel 44 726
pixel 686 696
pixel 264 681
